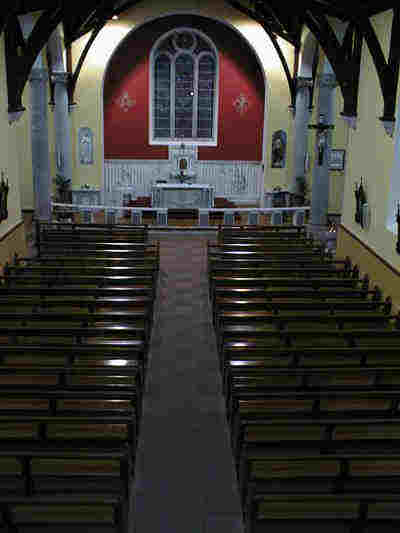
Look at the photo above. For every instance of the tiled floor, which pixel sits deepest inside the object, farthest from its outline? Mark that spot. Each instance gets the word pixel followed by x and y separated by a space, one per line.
pixel 185 480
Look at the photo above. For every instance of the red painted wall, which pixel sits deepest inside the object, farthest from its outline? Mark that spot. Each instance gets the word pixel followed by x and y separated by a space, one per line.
pixel 126 132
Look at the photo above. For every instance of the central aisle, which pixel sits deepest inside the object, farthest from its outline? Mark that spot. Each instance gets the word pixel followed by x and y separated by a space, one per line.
pixel 185 480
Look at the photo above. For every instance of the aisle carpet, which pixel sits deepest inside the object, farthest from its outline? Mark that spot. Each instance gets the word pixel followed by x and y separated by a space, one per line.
pixel 185 480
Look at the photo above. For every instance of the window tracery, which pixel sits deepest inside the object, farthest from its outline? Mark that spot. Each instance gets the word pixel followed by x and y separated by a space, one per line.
pixel 184 89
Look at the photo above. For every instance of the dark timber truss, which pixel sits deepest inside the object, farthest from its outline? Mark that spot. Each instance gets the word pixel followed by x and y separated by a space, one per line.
pixel 279 18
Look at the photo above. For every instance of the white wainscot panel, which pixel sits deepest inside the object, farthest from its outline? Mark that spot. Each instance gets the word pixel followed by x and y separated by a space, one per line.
pixel 238 181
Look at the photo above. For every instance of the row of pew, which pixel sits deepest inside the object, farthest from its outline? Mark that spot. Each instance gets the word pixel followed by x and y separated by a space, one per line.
pixel 74 332
pixel 309 356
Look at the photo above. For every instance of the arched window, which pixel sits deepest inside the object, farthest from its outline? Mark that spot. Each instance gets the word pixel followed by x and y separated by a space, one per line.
pixel 183 81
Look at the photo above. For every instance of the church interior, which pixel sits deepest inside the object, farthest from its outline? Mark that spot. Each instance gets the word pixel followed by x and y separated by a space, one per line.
pixel 199 266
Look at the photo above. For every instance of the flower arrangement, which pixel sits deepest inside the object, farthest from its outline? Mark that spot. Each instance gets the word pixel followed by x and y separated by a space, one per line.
pixel 181 177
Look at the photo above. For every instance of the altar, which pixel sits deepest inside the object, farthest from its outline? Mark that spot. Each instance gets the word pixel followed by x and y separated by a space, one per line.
pixel 182 196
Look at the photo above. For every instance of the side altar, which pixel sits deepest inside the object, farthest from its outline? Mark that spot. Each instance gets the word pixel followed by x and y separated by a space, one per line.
pixel 182 195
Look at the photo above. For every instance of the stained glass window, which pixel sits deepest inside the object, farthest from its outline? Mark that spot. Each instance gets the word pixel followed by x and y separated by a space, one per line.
pixel 162 96
pixel 184 88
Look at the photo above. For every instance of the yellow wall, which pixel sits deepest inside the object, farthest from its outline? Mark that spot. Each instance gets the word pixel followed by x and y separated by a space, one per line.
pixel 370 155
pixel 89 89
pixel 379 273
pixel 11 149
pixel 24 132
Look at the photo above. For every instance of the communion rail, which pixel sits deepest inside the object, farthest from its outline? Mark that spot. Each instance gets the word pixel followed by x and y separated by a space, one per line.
pixel 278 215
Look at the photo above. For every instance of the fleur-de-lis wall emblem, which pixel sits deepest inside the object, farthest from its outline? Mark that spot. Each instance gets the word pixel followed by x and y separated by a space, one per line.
pixel 125 102
pixel 241 104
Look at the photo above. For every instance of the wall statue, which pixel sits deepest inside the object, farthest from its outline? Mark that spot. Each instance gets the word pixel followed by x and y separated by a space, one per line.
pixel 278 156
pixel 85 143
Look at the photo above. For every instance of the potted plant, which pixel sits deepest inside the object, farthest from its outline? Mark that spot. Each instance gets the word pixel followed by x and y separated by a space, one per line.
pixel 302 188
pixel 62 183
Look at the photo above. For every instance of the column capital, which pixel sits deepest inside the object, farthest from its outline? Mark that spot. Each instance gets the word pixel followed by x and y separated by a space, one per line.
pixel 303 82
pixel 39 74
pixel 60 77
pixel 327 81
pixel 15 115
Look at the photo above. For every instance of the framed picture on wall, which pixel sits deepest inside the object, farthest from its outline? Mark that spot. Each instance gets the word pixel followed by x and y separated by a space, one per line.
pixel 336 159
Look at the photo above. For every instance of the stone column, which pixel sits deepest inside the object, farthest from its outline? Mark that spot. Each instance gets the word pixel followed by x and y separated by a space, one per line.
pixel 40 143
pixel 62 125
pixel 320 184
pixel 301 121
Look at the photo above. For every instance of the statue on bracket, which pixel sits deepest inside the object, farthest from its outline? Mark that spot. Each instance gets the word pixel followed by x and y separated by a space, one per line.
pixel 4 188
pixel 278 156
pixel 361 199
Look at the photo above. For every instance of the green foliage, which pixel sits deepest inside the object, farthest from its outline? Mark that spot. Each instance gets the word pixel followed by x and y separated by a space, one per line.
pixel 62 182
pixel 302 185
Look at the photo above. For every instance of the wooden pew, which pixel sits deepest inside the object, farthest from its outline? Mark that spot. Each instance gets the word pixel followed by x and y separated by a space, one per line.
pixel 44 400
pixel 80 319
pixel 253 376
pixel 273 247
pixel 98 245
pixel 73 269
pixel 53 231
pixel 65 278
pixel 254 231
pixel 256 408
pixel 85 514
pixel 266 338
pixel 313 270
pixel 74 377
pixel 70 431
pixel 275 294
pixel 77 291
pixel 106 253
pixel 71 377
pixel 283 281
pixel 123 358
pixel 264 472
pixel 93 261
pixel 78 304
pixel 270 254
pixel 281 365
pixel 238 302
pixel 286 322
pixel 331 513
pixel 74 334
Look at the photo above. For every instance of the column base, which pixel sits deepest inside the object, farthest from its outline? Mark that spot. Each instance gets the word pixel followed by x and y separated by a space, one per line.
pixel 320 232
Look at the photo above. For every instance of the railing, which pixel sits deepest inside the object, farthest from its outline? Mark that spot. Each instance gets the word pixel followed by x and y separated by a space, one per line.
pixel 278 215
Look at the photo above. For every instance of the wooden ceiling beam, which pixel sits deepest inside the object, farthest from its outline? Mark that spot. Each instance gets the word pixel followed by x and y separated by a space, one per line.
pixel 345 58
pixel 294 40
pixel 21 55
pixel 387 71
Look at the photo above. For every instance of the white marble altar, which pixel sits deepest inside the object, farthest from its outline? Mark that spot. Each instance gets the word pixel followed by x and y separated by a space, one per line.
pixel 177 195
pixel 241 182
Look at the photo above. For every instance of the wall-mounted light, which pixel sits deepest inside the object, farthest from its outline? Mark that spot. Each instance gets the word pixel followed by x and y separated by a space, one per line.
pixel 115 17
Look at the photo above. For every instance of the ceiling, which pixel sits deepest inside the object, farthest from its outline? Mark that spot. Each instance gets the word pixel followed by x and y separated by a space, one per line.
pixel 280 18
pixel 284 17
